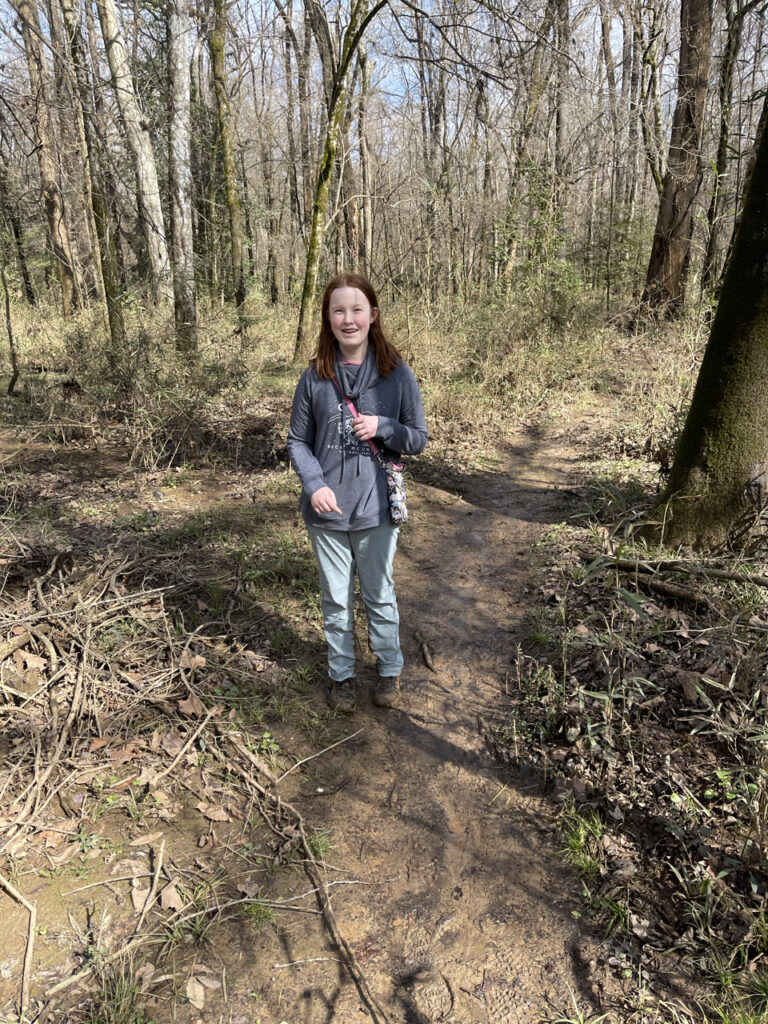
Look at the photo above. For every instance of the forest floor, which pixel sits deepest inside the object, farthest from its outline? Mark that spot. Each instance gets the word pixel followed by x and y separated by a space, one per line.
pixel 203 840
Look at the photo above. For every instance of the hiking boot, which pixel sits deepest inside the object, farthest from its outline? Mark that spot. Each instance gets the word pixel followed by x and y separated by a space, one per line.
pixel 341 696
pixel 387 692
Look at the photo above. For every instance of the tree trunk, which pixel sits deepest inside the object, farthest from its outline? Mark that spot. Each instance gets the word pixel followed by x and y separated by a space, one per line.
pixel 710 274
pixel 73 159
pixel 9 212
pixel 721 461
pixel 180 175
pixel 140 146
pixel 217 43
pixel 674 225
pixel 97 191
pixel 353 35
pixel 58 235
pixel 366 185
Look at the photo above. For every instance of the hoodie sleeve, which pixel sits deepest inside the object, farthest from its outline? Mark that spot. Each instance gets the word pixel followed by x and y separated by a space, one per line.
pixel 408 433
pixel 301 438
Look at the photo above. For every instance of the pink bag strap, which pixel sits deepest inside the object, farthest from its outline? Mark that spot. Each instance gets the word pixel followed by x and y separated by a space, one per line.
pixel 351 406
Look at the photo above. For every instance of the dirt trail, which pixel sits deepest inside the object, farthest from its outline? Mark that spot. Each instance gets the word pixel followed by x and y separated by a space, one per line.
pixel 463 911
pixel 444 873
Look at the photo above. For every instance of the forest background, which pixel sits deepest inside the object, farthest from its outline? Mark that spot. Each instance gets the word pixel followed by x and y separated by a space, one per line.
pixel 545 195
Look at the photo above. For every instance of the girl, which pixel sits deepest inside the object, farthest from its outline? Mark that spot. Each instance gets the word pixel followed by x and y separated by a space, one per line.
pixel 356 390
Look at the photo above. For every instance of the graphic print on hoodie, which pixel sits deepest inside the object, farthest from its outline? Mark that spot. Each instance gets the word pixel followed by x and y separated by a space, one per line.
pixel 325 452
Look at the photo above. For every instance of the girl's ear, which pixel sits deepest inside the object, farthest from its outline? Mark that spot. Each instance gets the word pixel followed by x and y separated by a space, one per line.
pixel 374 312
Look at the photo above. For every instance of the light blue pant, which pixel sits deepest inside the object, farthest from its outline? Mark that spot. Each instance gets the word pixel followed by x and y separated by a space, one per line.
pixel 371 553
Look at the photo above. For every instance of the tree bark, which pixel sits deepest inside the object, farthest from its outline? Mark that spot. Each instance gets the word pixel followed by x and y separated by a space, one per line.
pixel 366 184
pixel 721 462
pixel 180 174
pixel 109 274
pixel 674 225
pixel 709 275
pixel 358 21
pixel 58 236
pixel 11 216
pixel 217 42
pixel 140 145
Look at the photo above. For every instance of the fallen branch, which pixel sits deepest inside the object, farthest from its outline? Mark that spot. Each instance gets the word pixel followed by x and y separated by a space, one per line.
pixel 319 754
pixel 32 910
pixel 426 653
pixel 152 889
pixel 688 568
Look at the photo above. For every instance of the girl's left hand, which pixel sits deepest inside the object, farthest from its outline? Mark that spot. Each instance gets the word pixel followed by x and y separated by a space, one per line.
pixel 365 427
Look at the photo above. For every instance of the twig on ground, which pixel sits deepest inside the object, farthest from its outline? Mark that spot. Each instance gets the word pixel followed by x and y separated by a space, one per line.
pixel 426 652
pixel 187 744
pixel 310 960
pixel 319 754
pixel 32 910
pixel 152 889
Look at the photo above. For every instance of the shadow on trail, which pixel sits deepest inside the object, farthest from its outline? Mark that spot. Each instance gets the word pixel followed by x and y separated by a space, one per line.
pixel 516 487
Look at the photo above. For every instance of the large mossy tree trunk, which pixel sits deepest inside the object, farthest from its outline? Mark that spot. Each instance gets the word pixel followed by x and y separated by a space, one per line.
pixel 674 224
pixel 721 462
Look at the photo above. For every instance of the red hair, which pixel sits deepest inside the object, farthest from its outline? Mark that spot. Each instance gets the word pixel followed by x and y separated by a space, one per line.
pixel 387 356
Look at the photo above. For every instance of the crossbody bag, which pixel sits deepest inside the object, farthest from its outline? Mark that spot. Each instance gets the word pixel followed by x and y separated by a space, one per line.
pixel 393 471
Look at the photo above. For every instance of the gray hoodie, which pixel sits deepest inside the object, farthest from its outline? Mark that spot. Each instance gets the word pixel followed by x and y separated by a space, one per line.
pixel 325 452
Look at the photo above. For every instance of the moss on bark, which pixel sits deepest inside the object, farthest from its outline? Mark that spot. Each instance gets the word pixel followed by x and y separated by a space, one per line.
pixel 725 437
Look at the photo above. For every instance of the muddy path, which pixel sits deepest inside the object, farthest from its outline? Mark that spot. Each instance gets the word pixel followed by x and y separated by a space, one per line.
pixel 446 879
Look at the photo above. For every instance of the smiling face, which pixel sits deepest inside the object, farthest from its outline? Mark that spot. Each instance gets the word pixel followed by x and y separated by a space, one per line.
pixel 351 316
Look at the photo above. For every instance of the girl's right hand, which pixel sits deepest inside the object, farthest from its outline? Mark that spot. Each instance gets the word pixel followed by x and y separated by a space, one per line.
pixel 324 500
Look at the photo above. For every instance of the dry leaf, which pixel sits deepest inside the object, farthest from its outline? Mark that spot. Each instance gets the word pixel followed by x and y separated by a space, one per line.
pixel 146 840
pixel 196 993
pixel 172 743
pixel 98 742
pixel 211 983
pixel 170 898
pixel 207 841
pixel 191 661
pixel 191 706
pixel 34 661
pixel 139 897
pixel 124 754
pixel 213 812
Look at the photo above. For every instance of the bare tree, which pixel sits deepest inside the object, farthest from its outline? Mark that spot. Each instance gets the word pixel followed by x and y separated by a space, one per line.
pixel 217 43
pixel 58 234
pixel 137 133
pixel 674 224
pixel 180 174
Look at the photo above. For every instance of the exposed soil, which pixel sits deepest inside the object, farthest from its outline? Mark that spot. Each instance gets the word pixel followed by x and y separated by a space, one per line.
pixel 444 869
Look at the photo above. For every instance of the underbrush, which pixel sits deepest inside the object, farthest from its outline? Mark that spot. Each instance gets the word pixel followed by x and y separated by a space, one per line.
pixel 486 366
pixel 641 692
